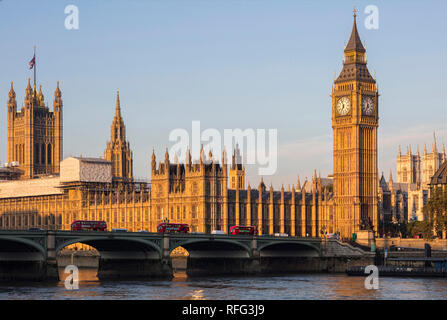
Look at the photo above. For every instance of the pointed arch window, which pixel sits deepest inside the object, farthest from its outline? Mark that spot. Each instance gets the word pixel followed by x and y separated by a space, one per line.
pixel 49 154
pixel 42 154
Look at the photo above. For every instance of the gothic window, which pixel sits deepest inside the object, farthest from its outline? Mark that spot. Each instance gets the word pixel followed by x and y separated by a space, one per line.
pixel 42 154
pixel 159 190
pixel 49 153
pixel 404 175
pixel 194 188
pixel 36 153
pixel 207 187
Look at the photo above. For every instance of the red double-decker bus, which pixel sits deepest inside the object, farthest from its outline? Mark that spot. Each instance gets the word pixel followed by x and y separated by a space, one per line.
pixel 243 230
pixel 90 225
pixel 173 227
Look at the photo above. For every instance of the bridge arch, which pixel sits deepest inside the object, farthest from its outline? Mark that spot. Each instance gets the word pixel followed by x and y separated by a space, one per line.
pixel 116 244
pixel 213 248
pixel 289 248
pixel 28 248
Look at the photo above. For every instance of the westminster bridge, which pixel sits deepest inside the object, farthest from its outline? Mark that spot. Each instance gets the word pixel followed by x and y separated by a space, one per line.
pixel 31 255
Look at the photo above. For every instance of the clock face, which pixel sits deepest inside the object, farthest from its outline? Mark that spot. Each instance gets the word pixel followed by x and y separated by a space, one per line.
pixel 367 106
pixel 343 106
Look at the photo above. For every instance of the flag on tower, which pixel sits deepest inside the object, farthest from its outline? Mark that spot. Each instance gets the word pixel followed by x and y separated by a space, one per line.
pixel 32 62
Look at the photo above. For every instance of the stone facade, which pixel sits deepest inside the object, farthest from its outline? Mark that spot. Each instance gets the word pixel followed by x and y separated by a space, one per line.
pixel 35 133
pixel 355 120
pixel 209 194
pixel 118 149
pixel 404 200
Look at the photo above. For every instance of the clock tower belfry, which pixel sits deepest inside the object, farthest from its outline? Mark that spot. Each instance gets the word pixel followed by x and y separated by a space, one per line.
pixel 354 123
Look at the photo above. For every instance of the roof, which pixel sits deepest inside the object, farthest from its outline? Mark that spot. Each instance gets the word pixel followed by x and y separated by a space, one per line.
pixel 354 70
pixel 354 43
pixel 440 176
pixel 94 160
pixel 48 185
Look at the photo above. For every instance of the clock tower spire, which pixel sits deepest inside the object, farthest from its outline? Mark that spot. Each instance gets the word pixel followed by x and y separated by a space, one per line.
pixel 354 124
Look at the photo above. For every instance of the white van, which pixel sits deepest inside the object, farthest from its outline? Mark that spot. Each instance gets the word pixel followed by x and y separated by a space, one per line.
pixel 281 235
pixel 119 230
pixel 217 232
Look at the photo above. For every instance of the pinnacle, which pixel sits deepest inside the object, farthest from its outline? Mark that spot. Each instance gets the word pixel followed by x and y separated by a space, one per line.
pixel 354 43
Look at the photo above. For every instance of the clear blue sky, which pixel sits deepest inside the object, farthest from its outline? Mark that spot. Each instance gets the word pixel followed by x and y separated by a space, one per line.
pixel 230 64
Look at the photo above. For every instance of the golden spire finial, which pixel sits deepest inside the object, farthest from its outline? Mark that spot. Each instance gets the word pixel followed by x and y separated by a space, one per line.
pixel 355 12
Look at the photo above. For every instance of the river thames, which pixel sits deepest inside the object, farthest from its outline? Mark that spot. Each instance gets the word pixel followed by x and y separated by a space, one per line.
pixel 286 287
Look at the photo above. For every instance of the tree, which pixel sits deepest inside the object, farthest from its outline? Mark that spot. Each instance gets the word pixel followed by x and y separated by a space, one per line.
pixel 436 212
pixel 414 228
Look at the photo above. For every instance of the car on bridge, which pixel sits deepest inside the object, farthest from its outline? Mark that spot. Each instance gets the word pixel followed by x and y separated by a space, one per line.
pixel 36 229
pixel 281 235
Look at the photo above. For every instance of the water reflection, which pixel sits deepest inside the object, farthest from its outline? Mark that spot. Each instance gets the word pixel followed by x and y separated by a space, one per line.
pixel 181 287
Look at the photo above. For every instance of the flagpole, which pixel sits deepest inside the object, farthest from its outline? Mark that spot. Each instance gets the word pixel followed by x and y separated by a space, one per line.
pixel 35 66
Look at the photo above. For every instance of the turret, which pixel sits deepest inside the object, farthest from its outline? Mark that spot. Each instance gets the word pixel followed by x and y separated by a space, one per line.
pixel 118 149
pixel 188 160
pixel 12 103
pixel 166 161
pixel 153 162
pixel 58 127
pixel 40 97
pixel 237 170
pixel 248 193
pixel 390 180
pixel 435 148
pixel 202 156
pixel 28 95
pixel 261 186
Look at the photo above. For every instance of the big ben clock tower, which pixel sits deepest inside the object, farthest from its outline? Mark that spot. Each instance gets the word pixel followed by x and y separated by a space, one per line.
pixel 354 122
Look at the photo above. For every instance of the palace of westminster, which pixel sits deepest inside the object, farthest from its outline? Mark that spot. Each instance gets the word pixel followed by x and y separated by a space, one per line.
pixel 39 189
